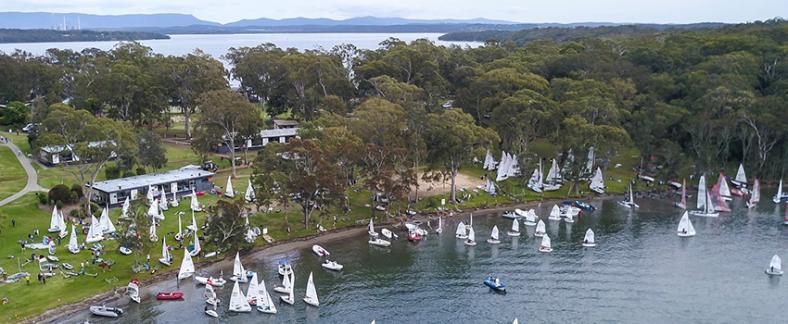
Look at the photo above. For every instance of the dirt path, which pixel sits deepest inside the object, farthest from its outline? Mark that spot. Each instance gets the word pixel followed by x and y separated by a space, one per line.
pixel 32 176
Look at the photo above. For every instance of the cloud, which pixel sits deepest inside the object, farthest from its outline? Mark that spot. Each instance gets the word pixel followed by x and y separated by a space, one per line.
pixel 664 11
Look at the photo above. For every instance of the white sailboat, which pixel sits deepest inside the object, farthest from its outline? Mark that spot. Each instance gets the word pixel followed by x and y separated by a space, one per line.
pixel 598 182
pixel 94 232
pixel 133 289
pixel 196 249
pixel 249 196
pixel 290 298
pixel 540 229
pixel 54 221
pixel 778 197
pixel 195 204
pixel 239 273
pixel 264 302
pixel 440 225
pixel 741 178
pixel 174 202
pixel 179 235
pixel 187 266
pixel 461 232
pixel 149 195
pixel 471 241
pixel 253 291
pixel 287 285
pixel 311 293
pixel 210 295
pixel 725 190
pixel 755 194
pixel 630 201
pixel 163 200
pixel 105 222
pixel 683 203
pixel 371 229
pixel 554 178
pixel 73 245
pixel 125 210
pixel 569 216
pixel 154 211
pixel 590 161
pixel 530 218
pixel 545 246
pixel 555 213
pixel 166 257
pixel 228 191
pixel 515 231
pixel 775 266
pixel 685 226
pixel 494 236
pixel 238 302
pixel 152 232
pixel 535 183
pixel 588 240
pixel 708 208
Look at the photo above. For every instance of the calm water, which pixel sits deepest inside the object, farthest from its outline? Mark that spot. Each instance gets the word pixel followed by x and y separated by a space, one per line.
pixel 640 272
pixel 217 45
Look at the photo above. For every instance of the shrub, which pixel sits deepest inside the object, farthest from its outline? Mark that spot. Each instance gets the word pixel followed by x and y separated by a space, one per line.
pixel 140 171
pixel 75 213
pixel 60 193
pixel 76 189
pixel 111 172
pixel 42 198
pixel 129 173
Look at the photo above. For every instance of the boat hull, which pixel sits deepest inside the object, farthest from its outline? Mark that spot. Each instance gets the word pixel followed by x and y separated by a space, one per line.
pixel 545 250
pixel 589 244
pixel 510 233
pixel 287 300
pixel 177 295
pixel 470 243
pixel 703 214
pixel 212 313
pixel 539 234
pixel 774 273
pixel 266 310
pixel 491 241
pixel 493 286
pixel 685 235
pixel 311 302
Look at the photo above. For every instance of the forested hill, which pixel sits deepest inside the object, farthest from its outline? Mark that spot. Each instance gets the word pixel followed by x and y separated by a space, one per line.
pixel 562 34
pixel 47 35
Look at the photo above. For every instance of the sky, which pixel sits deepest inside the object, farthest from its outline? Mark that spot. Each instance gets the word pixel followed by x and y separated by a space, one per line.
pixel 539 11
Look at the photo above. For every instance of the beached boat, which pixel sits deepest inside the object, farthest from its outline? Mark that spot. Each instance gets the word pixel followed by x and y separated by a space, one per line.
pixel 56 222
pixel 169 295
pixel 540 229
pixel 124 212
pixel 290 298
pixel 228 191
pixel 174 202
pixel 494 236
pixel 775 266
pixel 371 229
pixel 320 251
pixel 152 236
pixel 685 228
pixel 264 302
pixel 471 241
pixel 187 266
pixel 515 231
pixel 311 293
pixel 755 195
pixel 495 284
pixel 166 257
pixel 73 245
pixel 588 240
pixel 545 246
pixel 133 289
pixel 461 232
pixel 195 204
pixel 332 265
pixel 163 203
pixel 106 311
pixel 630 201
pixel 196 248
pixel 597 182
pixel 94 232
pixel 379 242
pixel 249 195
pixel 238 302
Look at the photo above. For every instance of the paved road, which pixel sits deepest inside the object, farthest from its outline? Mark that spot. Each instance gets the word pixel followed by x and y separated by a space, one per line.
pixel 32 176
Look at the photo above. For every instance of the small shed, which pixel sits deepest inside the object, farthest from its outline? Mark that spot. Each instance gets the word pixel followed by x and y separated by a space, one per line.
pixel 181 181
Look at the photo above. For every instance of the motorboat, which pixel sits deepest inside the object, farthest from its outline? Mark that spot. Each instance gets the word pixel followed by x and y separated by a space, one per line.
pixel 332 265
pixel 133 289
pixel 379 242
pixel 284 268
pixel 413 236
pixel 215 282
pixel 495 283
pixel 106 311
pixel 169 295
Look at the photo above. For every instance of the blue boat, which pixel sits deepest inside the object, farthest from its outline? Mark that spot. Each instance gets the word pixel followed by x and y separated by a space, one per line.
pixel 584 205
pixel 495 284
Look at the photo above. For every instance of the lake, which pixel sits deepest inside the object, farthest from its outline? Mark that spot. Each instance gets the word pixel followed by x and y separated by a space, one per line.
pixel 640 272
pixel 217 45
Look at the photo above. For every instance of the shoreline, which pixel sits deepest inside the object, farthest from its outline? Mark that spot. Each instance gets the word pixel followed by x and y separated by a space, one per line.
pixel 114 296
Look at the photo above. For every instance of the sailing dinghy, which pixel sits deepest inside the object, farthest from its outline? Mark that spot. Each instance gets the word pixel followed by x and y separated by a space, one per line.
pixel 471 241
pixel 515 231
pixel 724 189
pixel 545 246
pixel 494 236
pixel 163 201
pixel 704 202
pixel 740 182
pixel 630 201
pixel 238 302
pixel 755 195
pixel 461 232
pixel 166 257
pixel 73 245
pixel 775 266
pixel 239 274
pixel 555 213
pixel 264 302
pixel 187 266
pixel 94 232
pixel 195 204
pixel 685 226
pixel 133 289
pixel 540 229
pixel 588 240
pixel 228 191
pixel 530 218
pixel 290 298
pixel 249 195
pixel 174 201
pixel 210 296
pixel 252 291
pixel 287 286
pixel 311 293
pixel 779 196
pixel 371 230
pixel 597 182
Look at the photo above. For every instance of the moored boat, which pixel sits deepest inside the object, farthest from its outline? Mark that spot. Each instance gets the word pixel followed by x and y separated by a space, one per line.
pixel 106 311
pixel 169 295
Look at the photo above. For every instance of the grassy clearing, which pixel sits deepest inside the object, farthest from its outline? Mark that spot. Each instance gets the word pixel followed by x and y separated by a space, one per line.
pixel 12 176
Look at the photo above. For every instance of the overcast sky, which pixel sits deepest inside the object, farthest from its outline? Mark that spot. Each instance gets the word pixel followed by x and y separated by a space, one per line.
pixel 657 11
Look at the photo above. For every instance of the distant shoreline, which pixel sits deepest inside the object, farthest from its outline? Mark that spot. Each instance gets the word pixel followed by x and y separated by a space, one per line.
pixel 13 36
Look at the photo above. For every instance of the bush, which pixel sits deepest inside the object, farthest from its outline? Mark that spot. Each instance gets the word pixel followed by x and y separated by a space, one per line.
pixel 75 213
pixel 60 193
pixel 76 189
pixel 140 171
pixel 111 172
pixel 129 173
pixel 42 198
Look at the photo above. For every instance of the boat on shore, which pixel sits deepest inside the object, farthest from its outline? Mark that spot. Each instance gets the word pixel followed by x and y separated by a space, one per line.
pixel 106 311
pixel 133 289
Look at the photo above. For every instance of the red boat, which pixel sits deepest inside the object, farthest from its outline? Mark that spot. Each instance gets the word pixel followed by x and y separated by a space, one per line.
pixel 414 237
pixel 174 295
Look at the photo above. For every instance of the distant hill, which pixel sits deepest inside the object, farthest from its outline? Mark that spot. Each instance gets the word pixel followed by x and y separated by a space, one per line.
pixel 49 20
pixel 358 21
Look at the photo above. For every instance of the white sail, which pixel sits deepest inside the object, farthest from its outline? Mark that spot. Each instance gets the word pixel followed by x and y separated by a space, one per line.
pixel 62 225
pixel 238 269
pixel 710 207
pixel 515 226
pixel 125 209
pixel 590 162
pixel 152 232
pixel 149 195
pixel 555 213
pixel 196 242
pixel 106 223
pixel 725 190
pixel 685 226
pixel 209 292
pixel 73 245
pixel 514 167
pixel 461 229
pixel 264 302
pixel 471 235
pixel 755 193
pixel 195 204
pixel 94 232
pixel 229 192
pixel 371 226
pixel 589 238
pixel 779 195
pixel 776 264
pixel 701 199
pixel 540 228
pixel 553 175
pixel 494 233
pixel 741 177
pixel 238 302
pixel 163 200
pixel 174 201
pixel 252 292
pixel 54 221
pixel 249 196
pixel 187 266
pixel 179 235
pixel 155 211
pixel 598 181
pixel 546 244
pixel 440 225
pixel 165 252
pixel 311 292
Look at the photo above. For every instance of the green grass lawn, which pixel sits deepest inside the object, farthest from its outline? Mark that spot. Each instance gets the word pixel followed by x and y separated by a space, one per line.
pixel 12 176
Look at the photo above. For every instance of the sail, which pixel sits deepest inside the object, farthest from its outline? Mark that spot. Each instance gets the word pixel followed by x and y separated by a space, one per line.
pixel 530 215
pixel 209 292
pixel 264 299
pixel 153 211
pixel 238 302
pixel 460 229
pixel 702 192
pixel 440 223
pixel 187 266
pixel 286 283
pixel 555 212
pixel 515 226
pixel 598 181
pixel 683 203
pixel 371 226
pixel 165 253
pixel 741 178
pixel 174 199
pixel 229 192
pixel 163 200
pixel 710 207
pixel 494 233
pixel 717 199
pixel 514 166
pixel 126 206
pixel 311 292
pixel 152 231
pixel 197 247
pixel 546 241
pixel 686 224
pixel 471 235
pixel 779 195
pixel 540 227
pixel 54 221
pixel 94 232
pixel 179 236
pixel 552 175
pixel 589 238
pixel 149 195
pixel 755 194
pixel 106 223
pixel 73 245
pixel 502 167
pixel 238 268
pixel 631 195
pixel 252 293
pixel 776 263
pixel 590 162
pixel 249 196
pixel 725 190
pixel 195 205
pixel 290 293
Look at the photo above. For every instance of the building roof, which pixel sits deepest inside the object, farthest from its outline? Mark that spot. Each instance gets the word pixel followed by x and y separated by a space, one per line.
pixel 268 133
pixel 184 173
pixel 70 147
pixel 285 122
